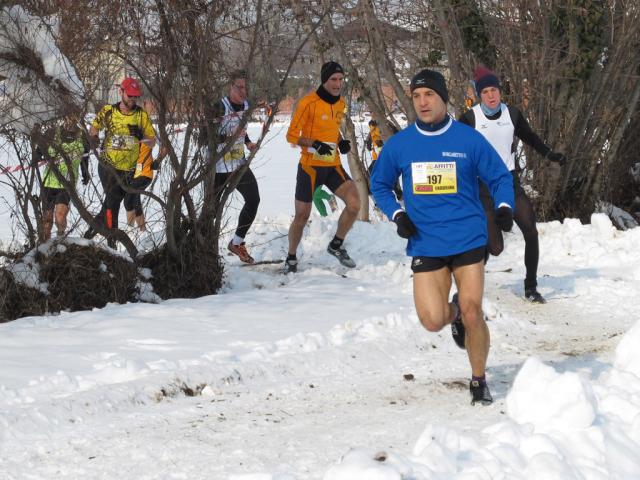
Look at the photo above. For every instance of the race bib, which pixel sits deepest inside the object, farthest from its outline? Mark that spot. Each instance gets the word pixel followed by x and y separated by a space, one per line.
pixel 236 153
pixel 326 158
pixel 434 178
pixel 123 142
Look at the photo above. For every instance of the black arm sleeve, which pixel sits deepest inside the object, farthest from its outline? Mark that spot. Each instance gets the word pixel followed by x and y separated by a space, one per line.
pixel 523 132
pixel 468 118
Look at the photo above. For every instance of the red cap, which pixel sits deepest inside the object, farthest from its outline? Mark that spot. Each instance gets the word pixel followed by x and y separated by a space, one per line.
pixel 131 87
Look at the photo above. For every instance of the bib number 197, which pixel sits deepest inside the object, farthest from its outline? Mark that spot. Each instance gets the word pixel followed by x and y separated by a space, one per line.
pixel 434 178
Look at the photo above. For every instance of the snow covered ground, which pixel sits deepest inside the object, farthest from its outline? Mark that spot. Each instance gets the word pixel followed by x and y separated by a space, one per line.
pixel 327 374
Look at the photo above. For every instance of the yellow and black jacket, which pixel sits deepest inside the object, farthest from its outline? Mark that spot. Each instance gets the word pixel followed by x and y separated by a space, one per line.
pixel 121 145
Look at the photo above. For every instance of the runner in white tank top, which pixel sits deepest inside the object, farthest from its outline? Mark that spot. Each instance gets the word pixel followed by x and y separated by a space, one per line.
pixel 503 126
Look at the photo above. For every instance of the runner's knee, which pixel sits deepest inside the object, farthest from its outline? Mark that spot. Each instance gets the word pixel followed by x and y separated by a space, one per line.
pixel 529 232
pixel 434 318
pixel 430 323
pixel 301 217
pixel 471 314
pixel 353 205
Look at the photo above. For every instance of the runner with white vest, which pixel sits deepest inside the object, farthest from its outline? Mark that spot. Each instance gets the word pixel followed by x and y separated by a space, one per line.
pixel 502 125
pixel 228 114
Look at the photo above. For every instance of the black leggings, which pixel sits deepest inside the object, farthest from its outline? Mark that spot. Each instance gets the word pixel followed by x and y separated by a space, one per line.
pixel 248 188
pixel 525 218
pixel 114 193
pixel 133 201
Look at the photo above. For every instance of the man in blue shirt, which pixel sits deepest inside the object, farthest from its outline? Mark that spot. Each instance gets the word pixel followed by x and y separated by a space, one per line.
pixel 440 161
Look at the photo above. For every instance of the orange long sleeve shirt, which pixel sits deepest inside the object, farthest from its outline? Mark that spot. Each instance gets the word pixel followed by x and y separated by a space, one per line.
pixel 316 119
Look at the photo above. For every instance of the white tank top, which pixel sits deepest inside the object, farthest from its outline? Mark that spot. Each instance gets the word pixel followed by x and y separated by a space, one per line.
pixel 498 132
pixel 235 157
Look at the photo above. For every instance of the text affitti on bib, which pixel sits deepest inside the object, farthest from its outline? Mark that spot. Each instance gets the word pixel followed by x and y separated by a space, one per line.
pixel 434 178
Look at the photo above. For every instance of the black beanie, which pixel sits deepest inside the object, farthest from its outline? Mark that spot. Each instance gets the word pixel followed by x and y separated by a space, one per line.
pixel 483 78
pixel 329 69
pixel 433 80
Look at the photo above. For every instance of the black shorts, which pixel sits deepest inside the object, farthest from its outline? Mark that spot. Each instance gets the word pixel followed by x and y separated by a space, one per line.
pixel 310 178
pixel 53 196
pixel 431 264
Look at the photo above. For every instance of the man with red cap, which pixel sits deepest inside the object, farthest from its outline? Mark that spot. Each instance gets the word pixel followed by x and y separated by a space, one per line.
pixel 502 126
pixel 315 126
pixel 126 126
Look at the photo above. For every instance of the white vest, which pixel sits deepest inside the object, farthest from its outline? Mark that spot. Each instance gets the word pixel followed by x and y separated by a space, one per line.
pixel 499 133
pixel 229 124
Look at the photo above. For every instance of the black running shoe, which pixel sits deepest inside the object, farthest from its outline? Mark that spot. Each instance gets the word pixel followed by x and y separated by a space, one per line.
pixel 457 327
pixel 290 265
pixel 342 255
pixel 480 392
pixel 534 296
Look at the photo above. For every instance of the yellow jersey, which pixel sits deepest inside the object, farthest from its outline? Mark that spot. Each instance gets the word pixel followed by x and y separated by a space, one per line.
pixel 121 145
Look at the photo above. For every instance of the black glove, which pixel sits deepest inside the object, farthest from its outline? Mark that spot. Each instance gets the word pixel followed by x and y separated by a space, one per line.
pixel 406 228
pixel 559 158
pixel 322 148
pixel 155 165
pixel 368 144
pixel 344 146
pixel 504 218
pixel 135 131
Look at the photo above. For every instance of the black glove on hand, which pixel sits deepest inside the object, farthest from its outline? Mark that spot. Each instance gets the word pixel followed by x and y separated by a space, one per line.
pixel 135 131
pixel 504 218
pixel 344 146
pixel 406 228
pixel 368 144
pixel 557 157
pixel 322 148
pixel 155 165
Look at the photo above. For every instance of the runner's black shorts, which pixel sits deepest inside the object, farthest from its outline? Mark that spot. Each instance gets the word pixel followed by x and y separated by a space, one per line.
pixel 309 178
pixel 431 264
pixel 53 196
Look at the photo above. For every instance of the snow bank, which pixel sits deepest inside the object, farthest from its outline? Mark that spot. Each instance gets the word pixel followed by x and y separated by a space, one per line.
pixel 561 426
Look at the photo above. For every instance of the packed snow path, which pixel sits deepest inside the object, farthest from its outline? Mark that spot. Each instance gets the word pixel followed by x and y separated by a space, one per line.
pixel 280 377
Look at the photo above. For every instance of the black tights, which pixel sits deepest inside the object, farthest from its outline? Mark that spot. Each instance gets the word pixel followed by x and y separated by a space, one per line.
pixel 114 194
pixel 525 217
pixel 248 188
